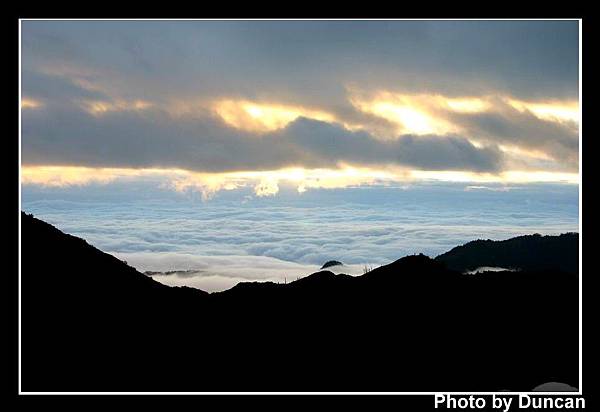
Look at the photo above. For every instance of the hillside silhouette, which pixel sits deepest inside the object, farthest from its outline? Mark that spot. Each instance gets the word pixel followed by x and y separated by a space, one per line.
pixel 92 323
pixel 531 252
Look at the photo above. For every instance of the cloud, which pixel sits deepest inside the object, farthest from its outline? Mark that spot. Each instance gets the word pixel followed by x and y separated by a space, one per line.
pixel 151 138
pixel 216 273
pixel 333 144
pixel 136 183
pixel 222 96
pixel 313 59
pixel 296 233
pixel 523 128
pixel 266 187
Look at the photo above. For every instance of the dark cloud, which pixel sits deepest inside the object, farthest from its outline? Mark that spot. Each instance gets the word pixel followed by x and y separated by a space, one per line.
pixel 311 60
pixel 296 62
pixel 70 136
pixel 55 89
pixel 329 143
pixel 506 125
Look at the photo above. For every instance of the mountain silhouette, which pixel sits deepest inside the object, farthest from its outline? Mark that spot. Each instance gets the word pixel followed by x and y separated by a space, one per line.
pixel 90 322
pixel 532 252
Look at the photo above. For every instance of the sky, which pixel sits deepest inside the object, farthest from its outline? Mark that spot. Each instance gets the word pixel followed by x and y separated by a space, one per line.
pixel 300 120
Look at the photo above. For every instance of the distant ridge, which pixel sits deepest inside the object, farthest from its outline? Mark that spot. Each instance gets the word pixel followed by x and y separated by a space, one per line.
pixel 90 322
pixel 530 252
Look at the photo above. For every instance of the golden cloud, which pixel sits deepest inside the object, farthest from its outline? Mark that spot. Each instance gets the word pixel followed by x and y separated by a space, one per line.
pixel 412 114
pixel 556 111
pixel 101 107
pixel 421 114
pixel 262 117
pixel 267 183
pixel 30 103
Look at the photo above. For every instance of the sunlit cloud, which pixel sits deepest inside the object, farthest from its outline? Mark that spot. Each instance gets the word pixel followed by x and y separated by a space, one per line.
pixel 99 107
pixel 259 117
pixel 266 187
pixel 264 183
pixel 30 103
pixel 466 105
pixel 267 183
pixel 411 120
pixel 412 114
pixel 524 153
pixel 422 114
pixel 567 111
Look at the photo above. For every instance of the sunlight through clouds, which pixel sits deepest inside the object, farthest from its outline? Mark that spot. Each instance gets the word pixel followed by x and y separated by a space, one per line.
pixel 267 183
pixel 412 114
pixel 422 114
pixel 561 111
pixel 29 103
pixel 207 109
pixel 99 108
pixel 260 118
pixel 467 105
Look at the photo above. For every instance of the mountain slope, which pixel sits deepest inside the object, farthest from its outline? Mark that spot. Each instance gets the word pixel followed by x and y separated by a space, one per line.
pixel 92 323
pixel 532 252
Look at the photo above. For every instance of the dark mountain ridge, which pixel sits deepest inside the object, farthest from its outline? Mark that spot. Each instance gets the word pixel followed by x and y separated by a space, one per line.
pixel 92 323
pixel 530 252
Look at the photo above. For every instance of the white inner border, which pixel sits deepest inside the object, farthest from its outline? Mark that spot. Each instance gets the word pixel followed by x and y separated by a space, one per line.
pixel 579 392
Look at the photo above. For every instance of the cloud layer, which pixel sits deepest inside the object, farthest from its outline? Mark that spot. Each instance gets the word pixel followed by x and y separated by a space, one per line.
pixel 294 234
pixel 265 95
pixel 155 140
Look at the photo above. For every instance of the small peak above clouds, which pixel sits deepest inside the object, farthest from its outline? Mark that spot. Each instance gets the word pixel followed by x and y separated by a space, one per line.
pixel 330 263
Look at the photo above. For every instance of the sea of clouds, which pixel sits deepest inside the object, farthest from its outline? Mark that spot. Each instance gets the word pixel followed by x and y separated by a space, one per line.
pixel 236 237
